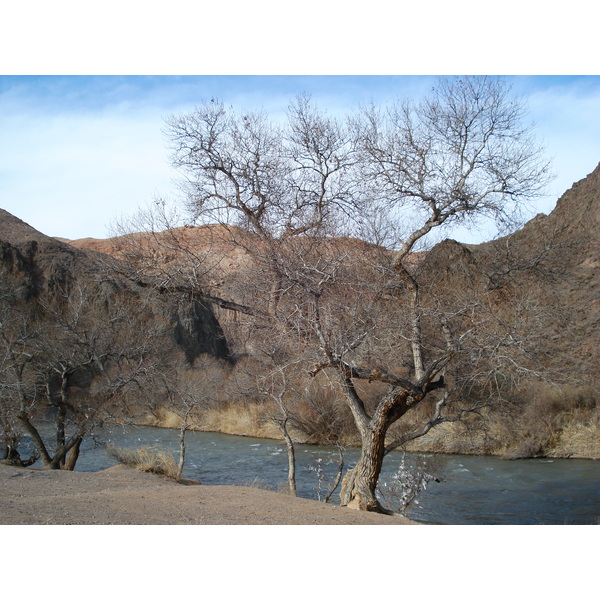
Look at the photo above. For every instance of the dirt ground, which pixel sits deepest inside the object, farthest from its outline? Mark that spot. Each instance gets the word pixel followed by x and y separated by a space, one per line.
pixel 122 496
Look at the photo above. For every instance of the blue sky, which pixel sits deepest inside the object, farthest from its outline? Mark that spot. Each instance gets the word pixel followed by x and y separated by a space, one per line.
pixel 76 152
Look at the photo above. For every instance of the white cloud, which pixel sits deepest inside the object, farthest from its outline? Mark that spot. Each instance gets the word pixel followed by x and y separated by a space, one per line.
pixel 76 154
pixel 69 174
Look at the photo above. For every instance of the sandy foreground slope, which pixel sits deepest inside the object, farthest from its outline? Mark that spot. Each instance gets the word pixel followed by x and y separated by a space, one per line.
pixel 122 496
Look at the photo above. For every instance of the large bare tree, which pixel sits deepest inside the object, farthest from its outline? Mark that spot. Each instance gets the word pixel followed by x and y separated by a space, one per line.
pixel 456 157
pixel 332 213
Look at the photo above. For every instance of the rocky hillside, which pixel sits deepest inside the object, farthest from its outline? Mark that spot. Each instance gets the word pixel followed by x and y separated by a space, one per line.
pixel 554 260
pixel 44 266
pixel 562 251
pixel 558 255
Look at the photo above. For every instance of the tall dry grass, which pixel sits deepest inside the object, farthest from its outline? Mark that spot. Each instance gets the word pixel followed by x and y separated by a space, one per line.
pixel 579 438
pixel 555 421
pixel 145 458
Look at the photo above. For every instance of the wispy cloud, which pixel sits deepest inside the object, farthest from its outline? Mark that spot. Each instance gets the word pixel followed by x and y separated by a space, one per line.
pixel 67 173
pixel 77 152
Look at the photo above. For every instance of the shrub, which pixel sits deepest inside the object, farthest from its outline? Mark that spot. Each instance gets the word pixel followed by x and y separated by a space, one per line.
pixel 551 420
pixel 404 486
pixel 259 484
pixel 322 416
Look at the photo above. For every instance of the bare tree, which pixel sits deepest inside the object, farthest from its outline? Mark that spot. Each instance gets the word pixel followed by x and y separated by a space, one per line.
pixel 20 350
pixel 291 195
pixel 458 156
pixel 73 356
pixel 276 386
pixel 185 391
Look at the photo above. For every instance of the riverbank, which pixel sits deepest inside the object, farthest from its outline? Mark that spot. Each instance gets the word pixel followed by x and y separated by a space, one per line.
pixel 122 496
pixel 573 435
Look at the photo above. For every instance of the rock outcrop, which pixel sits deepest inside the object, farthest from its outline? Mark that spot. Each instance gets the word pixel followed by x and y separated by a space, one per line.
pixel 42 266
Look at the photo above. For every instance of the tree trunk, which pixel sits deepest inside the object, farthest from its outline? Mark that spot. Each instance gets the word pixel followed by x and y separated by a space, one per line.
pixel 69 465
pixel 10 448
pixel 339 474
pixel 11 456
pixel 416 341
pixel 37 439
pixel 70 450
pixel 182 431
pixel 62 409
pixel 358 486
pixel 291 457
pixel 275 296
pixel 60 429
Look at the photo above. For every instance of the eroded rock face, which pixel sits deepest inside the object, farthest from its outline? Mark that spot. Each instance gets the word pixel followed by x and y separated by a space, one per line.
pixel 197 331
pixel 42 267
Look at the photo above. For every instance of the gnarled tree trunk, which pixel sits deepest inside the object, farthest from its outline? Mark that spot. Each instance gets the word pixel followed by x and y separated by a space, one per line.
pixel 73 455
pixel 360 482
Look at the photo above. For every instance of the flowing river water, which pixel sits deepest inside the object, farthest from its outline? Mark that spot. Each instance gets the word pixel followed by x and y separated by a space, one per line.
pixel 471 489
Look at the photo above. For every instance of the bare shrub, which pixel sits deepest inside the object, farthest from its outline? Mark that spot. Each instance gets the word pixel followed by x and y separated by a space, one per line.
pixel 545 419
pixel 259 484
pixel 567 399
pixel 402 489
pixel 322 416
pixel 324 487
pixel 240 386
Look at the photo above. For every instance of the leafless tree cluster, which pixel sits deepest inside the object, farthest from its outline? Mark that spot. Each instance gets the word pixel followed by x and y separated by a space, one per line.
pixel 64 364
pixel 332 214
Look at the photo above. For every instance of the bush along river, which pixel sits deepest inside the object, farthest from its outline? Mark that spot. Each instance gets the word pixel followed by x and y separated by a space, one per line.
pixel 467 490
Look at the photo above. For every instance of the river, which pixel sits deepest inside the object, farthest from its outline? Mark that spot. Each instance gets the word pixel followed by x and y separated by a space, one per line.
pixel 471 489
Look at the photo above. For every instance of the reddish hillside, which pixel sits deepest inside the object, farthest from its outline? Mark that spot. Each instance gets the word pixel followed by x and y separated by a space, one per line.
pixel 557 254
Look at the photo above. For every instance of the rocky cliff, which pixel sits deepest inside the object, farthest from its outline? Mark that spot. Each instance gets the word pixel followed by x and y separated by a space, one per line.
pixel 43 266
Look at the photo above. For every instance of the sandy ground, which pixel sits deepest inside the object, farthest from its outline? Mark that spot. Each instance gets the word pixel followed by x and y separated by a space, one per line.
pixel 122 496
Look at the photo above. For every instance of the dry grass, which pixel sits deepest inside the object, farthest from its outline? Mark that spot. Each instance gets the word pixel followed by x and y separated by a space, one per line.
pixel 452 438
pixel 235 419
pixel 250 419
pixel 160 417
pixel 259 484
pixel 580 439
pixel 540 421
pixel 146 458
pixel 555 421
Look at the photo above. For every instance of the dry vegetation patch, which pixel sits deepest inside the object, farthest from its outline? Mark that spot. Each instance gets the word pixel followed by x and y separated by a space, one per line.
pixel 146 458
